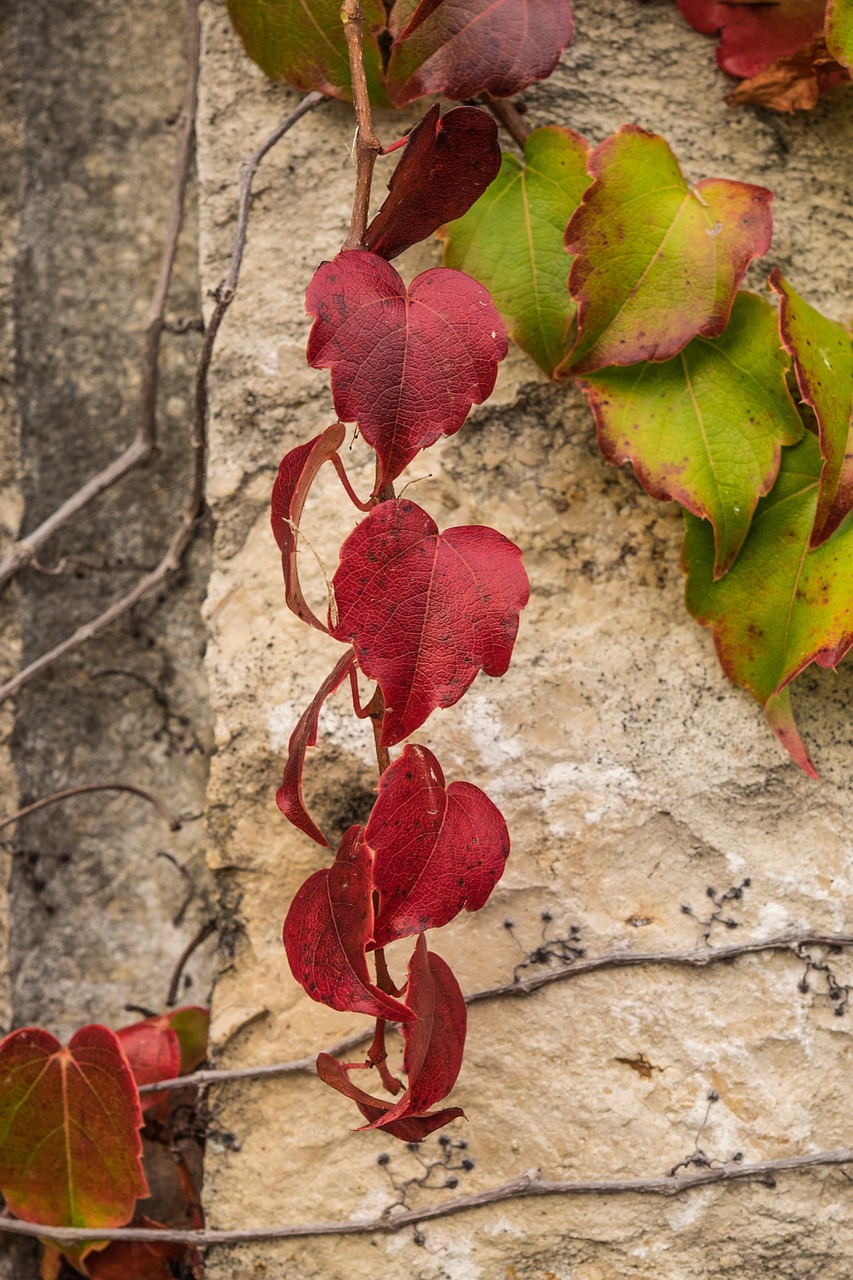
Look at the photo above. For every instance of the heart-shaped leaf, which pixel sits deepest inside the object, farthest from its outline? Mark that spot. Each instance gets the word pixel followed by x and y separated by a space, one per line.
pixel 512 241
pixel 425 610
pixel 448 163
pixel 327 929
pixel 303 42
pixel 70 1151
pixel 839 31
pixel 823 359
pixel 464 47
pixel 154 1052
pixel 409 1129
pixel 289 795
pixel 781 606
pixel 706 428
pixel 296 474
pixel 752 35
pixel 407 364
pixel 656 262
pixel 436 850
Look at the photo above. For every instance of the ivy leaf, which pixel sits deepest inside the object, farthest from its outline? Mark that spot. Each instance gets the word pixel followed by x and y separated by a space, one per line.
pixel 154 1052
pixel 436 849
pixel 460 48
pixel 839 31
pixel 409 1129
pixel 512 241
pixel 657 263
pixel 289 795
pixel 823 359
pixel 447 165
pixel 407 364
pixel 136 1259
pixel 752 35
pixel 70 1151
pixel 327 929
pixel 191 1025
pixel 296 474
pixel 434 1041
pixel 781 606
pixel 793 81
pixel 303 42
pixel 425 610
pixel 706 428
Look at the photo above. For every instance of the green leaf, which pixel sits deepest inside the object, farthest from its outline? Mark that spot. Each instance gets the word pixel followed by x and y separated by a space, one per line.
pixel 511 240
pixel 781 606
pixel 303 42
pixel 839 31
pixel 705 428
pixel 657 263
pixel 191 1025
pixel 823 359
pixel 69 1129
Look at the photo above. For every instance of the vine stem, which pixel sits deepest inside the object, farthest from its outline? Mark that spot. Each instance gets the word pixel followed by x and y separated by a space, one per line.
pixel 523 1187
pixel 144 446
pixel 195 509
pixel 86 789
pixel 510 117
pixel 367 146
pixel 791 942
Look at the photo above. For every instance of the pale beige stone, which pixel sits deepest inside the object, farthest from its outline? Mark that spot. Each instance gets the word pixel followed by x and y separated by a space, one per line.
pixel 632 774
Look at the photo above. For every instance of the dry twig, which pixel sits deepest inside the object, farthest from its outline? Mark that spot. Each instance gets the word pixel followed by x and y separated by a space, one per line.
pixel 86 789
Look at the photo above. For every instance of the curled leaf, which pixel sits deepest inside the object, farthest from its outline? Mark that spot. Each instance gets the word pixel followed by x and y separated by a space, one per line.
pixel 407 363
pixel 448 163
pixel 656 262
pixel 752 34
pixel 425 610
pixel 408 1129
pixel 437 850
pixel 793 81
pixel 327 929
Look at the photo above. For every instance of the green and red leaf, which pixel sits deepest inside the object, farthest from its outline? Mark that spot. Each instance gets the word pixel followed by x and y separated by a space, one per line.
pixel 823 359
pixel 782 605
pixel 136 1259
pixel 706 428
pixel 461 48
pixel 70 1150
pixel 512 242
pixel 656 262
pixel 839 31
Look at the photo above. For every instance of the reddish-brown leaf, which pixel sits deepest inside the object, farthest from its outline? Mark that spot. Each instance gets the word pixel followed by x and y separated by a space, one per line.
pixel 407 364
pixel 793 81
pixel 70 1151
pixel 436 850
pixel 752 35
pixel 136 1259
pixel 464 47
pixel 289 795
pixel 327 929
pixel 296 474
pixel 426 610
pixel 446 166
pixel 409 1129
pixel 154 1052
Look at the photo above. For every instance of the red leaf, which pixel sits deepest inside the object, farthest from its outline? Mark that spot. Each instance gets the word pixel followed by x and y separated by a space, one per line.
pixel 436 850
pixel 426 610
pixel 70 1151
pixel 296 474
pixel 446 166
pixel 327 929
pixel 434 1041
pixel 136 1259
pixel 407 364
pixel 752 35
pixel 289 795
pixel 409 1129
pixel 154 1052
pixel 464 47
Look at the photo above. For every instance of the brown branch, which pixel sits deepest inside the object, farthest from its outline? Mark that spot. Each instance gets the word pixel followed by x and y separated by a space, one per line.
pixel 510 117
pixel 203 934
pixel 524 1187
pixel 695 959
pixel 144 445
pixel 87 789
pixel 198 438
pixel 367 146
